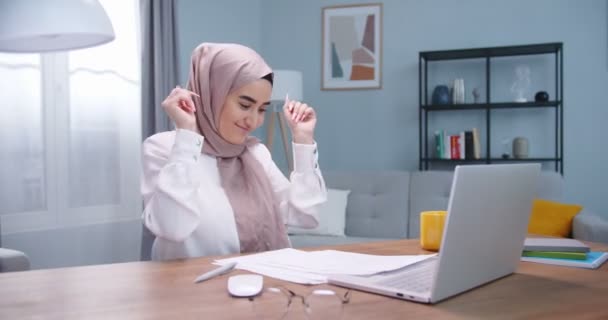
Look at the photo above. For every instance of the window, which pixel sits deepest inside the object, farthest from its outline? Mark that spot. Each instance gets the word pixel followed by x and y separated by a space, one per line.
pixel 70 131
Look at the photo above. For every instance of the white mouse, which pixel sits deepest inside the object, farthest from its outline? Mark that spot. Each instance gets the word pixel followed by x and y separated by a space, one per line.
pixel 245 285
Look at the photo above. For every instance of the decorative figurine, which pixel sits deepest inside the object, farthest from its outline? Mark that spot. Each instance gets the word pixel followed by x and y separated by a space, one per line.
pixel 505 148
pixel 541 96
pixel 476 95
pixel 521 84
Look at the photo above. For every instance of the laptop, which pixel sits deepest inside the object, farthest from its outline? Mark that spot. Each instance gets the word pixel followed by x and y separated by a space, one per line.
pixel 488 213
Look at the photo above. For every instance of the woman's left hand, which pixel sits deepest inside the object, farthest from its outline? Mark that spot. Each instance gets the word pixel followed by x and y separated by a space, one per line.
pixel 301 119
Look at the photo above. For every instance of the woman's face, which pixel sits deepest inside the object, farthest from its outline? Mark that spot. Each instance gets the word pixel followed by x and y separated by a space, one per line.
pixel 244 111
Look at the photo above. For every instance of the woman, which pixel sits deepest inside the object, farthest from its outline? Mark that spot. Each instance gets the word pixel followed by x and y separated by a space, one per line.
pixel 209 187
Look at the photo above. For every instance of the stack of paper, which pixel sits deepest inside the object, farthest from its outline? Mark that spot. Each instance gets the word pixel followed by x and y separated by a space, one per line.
pixel 314 267
pixel 555 244
pixel 593 260
pixel 559 248
pixel 562 251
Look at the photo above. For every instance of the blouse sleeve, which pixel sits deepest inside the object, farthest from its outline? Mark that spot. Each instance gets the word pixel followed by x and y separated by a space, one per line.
pixel 170 180
pixel 300 196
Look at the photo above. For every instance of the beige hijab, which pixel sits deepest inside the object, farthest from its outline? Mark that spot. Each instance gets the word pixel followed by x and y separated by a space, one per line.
pixel 215 71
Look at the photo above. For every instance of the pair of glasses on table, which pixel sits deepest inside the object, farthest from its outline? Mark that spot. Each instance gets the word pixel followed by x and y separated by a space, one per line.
pixel 282 303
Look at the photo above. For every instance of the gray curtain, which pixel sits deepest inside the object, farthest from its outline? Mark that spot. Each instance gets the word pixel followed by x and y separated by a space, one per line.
pixel 160 74
pixel 160 62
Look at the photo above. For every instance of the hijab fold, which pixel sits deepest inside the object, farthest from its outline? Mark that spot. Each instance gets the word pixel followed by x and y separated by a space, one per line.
pixel 216 70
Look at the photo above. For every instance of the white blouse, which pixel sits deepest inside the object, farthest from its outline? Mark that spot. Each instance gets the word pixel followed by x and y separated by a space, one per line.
pixel 188 210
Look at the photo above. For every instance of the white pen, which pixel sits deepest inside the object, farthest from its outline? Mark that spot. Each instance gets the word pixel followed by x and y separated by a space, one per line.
pixel 287 100
pixel 215 272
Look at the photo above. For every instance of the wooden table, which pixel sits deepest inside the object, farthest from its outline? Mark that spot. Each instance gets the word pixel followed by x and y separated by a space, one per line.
pixel 154 290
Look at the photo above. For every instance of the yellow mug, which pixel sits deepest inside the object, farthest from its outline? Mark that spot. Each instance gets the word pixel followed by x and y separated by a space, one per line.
pixel 431 229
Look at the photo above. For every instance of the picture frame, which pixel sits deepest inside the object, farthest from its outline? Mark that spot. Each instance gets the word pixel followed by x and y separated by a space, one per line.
pixel 351 55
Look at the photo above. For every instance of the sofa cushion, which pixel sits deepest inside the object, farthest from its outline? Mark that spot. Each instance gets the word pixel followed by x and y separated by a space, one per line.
pixel 590 226
pixel 332 215
pixel 303 241
pixel 552 218
pixel 429 191
pixel 377 204
pixel 13 260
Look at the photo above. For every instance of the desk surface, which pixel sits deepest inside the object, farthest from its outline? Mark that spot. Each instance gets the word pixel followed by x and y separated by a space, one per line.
pixel 155 290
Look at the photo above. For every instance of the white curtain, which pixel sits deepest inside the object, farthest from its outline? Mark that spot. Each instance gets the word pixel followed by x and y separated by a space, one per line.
pixel 22 163
pixel 70 131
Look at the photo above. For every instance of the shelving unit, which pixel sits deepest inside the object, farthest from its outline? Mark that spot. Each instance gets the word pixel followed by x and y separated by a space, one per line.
pixel 425 109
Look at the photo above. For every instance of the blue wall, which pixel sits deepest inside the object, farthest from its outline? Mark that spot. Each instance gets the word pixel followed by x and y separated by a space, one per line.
pixel 237 21
pixel 378 129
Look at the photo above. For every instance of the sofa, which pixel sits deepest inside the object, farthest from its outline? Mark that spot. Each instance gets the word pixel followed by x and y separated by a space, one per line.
pixel 12 260
pixel 386 205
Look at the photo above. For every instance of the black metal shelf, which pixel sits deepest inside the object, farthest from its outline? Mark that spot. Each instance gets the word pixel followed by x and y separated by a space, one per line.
pixel 530 49
pixel 484 160
pixel 493 105
pixel 487 54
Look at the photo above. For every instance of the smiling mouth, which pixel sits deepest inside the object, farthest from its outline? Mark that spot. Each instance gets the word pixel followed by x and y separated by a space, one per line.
pixel 243 128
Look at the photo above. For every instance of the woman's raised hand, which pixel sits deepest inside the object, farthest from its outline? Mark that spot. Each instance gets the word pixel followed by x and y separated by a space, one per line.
pixel 179 106
pixel 301 119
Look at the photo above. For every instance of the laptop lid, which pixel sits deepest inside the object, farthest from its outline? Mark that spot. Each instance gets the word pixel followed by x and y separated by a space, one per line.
pixel 488 214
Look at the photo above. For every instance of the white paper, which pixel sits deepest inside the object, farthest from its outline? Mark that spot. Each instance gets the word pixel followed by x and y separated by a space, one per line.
pixel 313 267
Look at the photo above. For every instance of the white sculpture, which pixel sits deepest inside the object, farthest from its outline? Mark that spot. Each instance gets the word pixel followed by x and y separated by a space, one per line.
pixel 521 85
pixel 458 91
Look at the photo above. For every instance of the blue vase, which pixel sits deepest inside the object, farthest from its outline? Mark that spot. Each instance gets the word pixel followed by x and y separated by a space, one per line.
pixel 441 95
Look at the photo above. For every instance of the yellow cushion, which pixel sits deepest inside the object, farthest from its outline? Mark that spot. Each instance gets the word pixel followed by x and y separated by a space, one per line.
pixel 552 218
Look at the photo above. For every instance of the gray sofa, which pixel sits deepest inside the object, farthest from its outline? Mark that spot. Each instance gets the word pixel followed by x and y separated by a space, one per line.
pixel 386 205
pixel 12 260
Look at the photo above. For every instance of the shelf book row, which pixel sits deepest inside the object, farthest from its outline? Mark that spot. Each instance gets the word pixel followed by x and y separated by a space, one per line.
pixel 463 146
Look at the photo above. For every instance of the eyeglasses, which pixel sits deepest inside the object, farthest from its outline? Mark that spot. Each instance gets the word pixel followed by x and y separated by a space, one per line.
pixel 277 303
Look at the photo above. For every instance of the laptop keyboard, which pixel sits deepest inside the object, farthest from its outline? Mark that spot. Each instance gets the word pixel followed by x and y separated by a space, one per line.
pixel 414 278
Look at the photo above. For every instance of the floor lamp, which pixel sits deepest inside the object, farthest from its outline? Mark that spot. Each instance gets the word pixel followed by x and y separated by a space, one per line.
pixel 286 82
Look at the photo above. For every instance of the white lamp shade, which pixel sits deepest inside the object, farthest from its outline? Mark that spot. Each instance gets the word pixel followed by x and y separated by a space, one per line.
pixel 31 26
pixel 287 82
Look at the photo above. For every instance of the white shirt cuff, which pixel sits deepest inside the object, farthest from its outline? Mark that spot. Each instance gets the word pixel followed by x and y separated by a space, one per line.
pixel 187 147
pixel 306 157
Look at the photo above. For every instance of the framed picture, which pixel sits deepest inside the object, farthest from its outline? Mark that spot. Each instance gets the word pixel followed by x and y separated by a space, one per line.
pixel 352 47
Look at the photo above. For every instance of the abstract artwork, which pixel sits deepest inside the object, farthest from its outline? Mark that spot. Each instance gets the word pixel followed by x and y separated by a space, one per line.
pixel 352 47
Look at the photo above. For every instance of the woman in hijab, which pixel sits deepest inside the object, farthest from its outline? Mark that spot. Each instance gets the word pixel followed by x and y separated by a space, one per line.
pixel 209 187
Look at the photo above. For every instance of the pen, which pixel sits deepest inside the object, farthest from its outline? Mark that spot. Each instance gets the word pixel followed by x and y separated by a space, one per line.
pixel 215 272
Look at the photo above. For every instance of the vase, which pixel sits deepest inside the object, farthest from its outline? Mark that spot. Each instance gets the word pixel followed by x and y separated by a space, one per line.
pixel 441 95
pixel 520 148
pixel 458 91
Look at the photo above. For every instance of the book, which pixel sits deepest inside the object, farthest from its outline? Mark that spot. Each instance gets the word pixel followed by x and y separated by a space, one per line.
pixel 438 144
pixel 555 244
pixel 555 254
pixel 593 261
pixel 461 146
pixel 469 145
pixel 454 147
pixel 446 145
pixel 476 144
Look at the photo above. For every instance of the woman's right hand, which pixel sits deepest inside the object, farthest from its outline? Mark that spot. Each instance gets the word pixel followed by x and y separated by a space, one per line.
pixel 179 106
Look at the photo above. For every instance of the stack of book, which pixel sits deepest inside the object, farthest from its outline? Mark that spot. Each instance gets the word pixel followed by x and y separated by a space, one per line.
pixel 561 251
pixel 461 146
